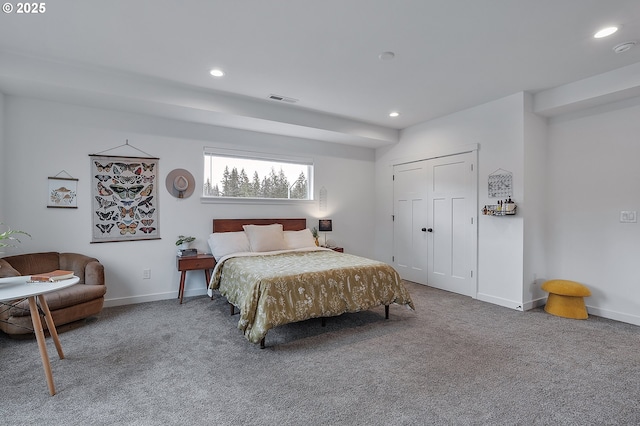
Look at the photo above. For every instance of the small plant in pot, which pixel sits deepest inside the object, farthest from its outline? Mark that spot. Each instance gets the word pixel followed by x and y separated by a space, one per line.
pixel 183 242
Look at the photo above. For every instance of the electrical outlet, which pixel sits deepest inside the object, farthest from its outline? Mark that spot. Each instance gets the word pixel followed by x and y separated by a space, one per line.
pixel 146 274
pixel 628 217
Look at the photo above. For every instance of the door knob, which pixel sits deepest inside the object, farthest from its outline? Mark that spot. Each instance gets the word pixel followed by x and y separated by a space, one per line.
pixel 424 229
pixel 427 230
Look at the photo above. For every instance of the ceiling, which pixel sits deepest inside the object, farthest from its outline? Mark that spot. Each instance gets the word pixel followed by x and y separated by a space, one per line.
pixel 449 55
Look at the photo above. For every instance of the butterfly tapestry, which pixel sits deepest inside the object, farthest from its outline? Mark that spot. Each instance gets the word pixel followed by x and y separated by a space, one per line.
pixel 125 206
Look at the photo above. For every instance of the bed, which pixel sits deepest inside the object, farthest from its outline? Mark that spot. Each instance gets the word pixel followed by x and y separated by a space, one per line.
pixel 274 274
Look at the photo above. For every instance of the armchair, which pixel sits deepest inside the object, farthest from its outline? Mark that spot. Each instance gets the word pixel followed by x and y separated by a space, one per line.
pixel 67 305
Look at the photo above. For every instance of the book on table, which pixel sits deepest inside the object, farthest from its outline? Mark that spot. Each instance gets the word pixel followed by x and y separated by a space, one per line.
pixel 187 252
pixel 53 276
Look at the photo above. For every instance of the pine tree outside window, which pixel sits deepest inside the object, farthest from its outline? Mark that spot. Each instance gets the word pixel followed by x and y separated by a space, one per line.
pixel 248 175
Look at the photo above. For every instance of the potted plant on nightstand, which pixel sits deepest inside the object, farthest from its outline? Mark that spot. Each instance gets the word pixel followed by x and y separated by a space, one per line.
pixel 314 232
pixel 183 242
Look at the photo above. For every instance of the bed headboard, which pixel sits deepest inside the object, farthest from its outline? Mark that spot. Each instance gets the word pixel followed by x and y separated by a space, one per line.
pixel 234 225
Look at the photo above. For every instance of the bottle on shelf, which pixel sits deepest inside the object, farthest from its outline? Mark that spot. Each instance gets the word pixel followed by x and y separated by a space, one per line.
pixel 510 206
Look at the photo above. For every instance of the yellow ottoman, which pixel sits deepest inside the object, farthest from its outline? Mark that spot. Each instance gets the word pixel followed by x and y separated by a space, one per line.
pixel 566 299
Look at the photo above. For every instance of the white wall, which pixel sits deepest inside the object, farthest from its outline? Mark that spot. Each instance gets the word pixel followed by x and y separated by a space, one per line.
pixel 593 175
pixel 43 138
pixel 572 175
pixel 498 129
pixel 591 164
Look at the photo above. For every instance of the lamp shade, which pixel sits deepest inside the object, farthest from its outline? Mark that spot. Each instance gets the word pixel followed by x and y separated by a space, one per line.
pixel 324 225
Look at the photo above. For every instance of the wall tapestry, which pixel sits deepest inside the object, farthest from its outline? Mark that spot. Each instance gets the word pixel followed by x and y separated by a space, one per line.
pixel 124 198
pixel 63 192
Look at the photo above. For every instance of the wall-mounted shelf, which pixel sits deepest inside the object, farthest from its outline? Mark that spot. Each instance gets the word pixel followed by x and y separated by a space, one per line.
pixel 504 209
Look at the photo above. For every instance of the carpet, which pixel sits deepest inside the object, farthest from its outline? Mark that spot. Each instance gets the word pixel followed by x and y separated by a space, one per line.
pixel 454 360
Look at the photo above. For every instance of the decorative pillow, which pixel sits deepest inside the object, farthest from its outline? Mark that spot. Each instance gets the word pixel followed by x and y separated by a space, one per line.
pixel 265 237
pixel 224 243
pixel 7 270
pixel 299 239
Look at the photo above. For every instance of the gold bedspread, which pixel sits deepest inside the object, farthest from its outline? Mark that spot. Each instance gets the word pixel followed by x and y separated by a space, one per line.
pixel 276 289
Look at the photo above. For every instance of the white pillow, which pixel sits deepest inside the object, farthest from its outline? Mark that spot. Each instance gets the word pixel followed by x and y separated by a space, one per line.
pixel 299 239
pixel 265 237
pixel 224 243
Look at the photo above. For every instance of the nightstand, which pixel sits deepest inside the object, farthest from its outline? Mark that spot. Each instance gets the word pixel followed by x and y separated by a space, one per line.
pixel 338 249
pixel 201 262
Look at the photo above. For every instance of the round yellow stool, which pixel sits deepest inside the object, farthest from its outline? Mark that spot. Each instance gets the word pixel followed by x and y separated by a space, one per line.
pixel 566 299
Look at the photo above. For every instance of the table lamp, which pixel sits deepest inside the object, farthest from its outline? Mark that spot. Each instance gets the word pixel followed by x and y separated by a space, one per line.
pixel 324 225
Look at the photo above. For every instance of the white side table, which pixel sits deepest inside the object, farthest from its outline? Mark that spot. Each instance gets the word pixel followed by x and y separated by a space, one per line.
pixel 14 288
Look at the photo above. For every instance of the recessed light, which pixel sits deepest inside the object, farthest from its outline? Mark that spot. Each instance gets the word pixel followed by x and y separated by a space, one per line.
pixel 394 114
pixel 605 32
pixel 216 72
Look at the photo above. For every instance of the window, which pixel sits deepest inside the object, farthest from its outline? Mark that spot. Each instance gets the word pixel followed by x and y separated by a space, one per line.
pixel 241 174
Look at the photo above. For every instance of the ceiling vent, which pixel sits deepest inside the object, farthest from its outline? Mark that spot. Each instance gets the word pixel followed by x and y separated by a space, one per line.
pixel 282 99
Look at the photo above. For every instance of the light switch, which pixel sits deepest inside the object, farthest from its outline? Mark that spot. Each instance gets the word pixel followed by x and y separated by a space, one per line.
pixel 628 216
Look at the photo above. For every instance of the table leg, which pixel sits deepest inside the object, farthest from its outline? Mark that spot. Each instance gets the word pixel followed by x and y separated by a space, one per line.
pixel 181 290
pixel 207 276
pixel 37 328
pixel 50 325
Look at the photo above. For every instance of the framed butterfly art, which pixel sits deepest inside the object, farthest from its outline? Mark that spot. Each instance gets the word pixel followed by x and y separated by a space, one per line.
pixel 124 198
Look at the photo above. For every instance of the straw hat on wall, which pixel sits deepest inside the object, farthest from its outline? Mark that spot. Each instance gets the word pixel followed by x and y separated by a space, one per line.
pixel 180 183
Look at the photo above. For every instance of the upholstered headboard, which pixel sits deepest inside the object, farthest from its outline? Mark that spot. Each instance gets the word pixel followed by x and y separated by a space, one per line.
pixel 234 225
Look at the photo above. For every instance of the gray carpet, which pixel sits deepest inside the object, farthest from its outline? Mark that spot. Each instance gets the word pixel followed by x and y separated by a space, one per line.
pixel 454 360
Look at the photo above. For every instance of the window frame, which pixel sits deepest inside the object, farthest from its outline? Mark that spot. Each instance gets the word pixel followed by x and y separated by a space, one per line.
pixel 260 156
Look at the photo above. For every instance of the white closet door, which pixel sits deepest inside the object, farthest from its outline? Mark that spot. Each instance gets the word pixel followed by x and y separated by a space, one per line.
pixel 452 223
pixel 410 217
pixel 435 222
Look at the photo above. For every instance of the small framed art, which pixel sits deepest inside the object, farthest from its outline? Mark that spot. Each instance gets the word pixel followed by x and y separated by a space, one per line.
pixel 63 193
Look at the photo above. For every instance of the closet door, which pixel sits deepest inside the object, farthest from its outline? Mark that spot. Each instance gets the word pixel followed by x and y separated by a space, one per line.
pixel 435 222
pixel 452 217
pixel 410 218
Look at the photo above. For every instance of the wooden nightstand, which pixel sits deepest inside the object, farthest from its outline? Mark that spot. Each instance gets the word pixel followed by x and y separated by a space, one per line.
pixel 204 262
pixel 338 249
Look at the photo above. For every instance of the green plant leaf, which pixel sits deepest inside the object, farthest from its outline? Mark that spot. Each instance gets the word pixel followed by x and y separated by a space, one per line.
pixel 8 235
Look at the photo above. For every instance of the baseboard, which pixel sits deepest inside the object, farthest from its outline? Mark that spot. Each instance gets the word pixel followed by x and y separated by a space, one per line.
pixel 500 301
pixel 592 310
pixel 536 303
pixel 120 301
pixel 604 313
pixel 613 315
